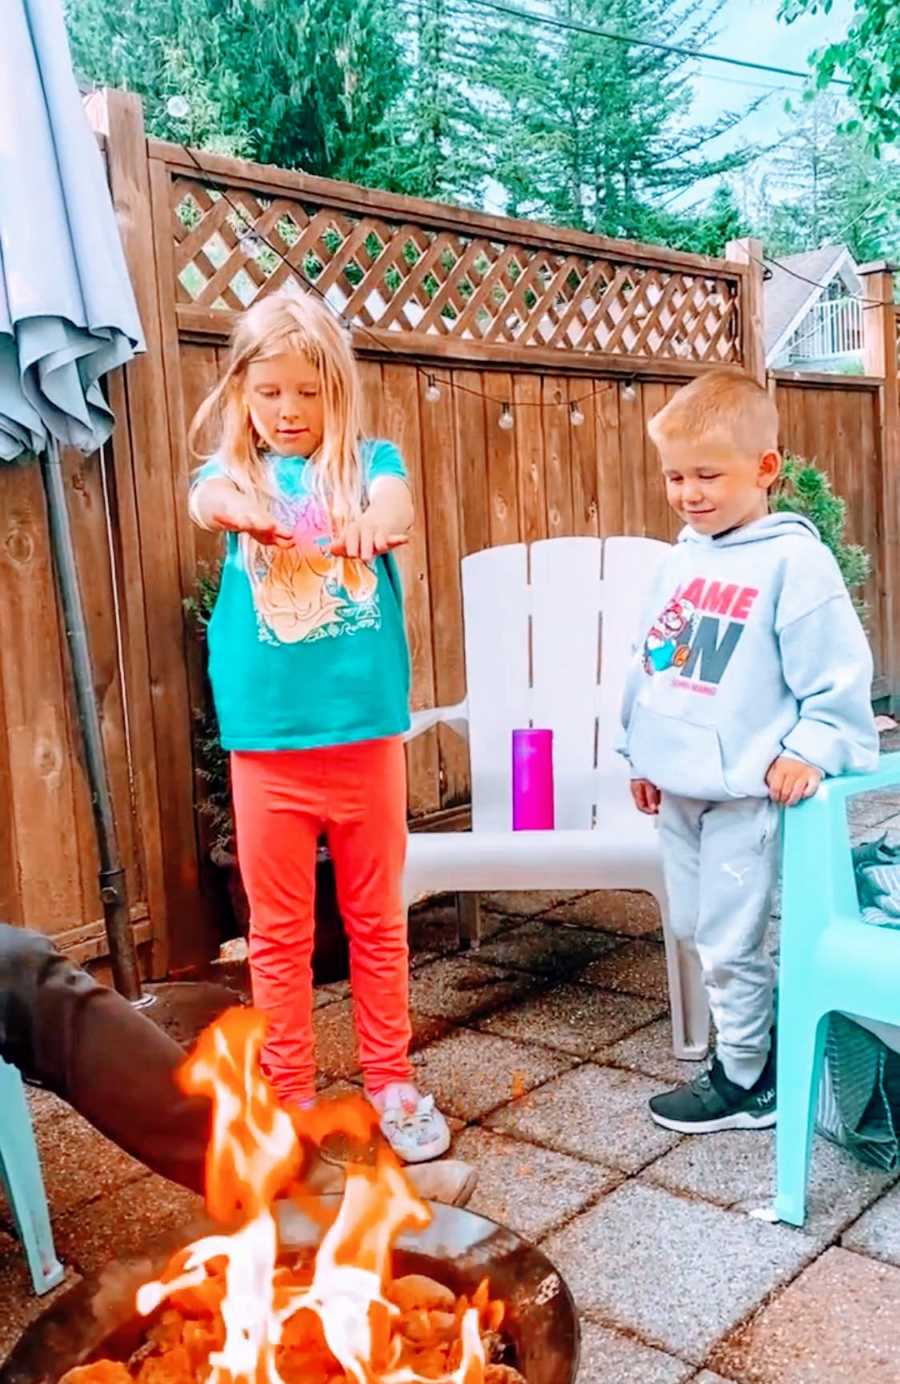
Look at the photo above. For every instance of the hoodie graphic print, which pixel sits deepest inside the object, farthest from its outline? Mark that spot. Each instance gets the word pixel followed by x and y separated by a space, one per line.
pixel 751 650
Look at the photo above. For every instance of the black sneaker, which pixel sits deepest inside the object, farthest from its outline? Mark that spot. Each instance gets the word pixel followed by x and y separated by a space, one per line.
pixel 711 1103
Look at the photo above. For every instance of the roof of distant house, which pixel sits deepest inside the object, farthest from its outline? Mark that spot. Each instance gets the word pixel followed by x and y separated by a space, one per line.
pixel 795 287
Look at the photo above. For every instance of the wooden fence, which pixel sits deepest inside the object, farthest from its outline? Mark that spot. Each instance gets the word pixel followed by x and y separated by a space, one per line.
pixel 460 320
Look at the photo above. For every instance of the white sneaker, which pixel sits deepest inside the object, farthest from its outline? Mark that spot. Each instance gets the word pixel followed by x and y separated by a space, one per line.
pixel 417 1132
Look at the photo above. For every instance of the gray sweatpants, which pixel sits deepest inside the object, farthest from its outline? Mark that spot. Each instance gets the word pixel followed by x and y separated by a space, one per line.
pixel 721 864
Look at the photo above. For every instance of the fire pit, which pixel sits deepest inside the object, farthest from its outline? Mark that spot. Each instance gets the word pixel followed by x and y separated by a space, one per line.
pixel 97 1320
pixel 371 1285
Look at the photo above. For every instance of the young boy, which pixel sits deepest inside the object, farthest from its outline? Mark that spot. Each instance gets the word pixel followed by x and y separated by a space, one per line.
pixel 752 684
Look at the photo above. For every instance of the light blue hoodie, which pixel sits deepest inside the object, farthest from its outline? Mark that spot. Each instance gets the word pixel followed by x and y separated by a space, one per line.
pixel 752 650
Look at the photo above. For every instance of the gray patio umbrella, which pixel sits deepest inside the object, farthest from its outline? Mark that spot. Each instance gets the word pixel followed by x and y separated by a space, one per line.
pixel 67 317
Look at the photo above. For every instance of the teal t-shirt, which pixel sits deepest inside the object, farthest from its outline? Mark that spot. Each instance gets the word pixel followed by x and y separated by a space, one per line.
pixel 306 649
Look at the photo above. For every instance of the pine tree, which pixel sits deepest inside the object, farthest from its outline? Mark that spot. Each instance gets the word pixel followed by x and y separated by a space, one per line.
pixel 827 186
pixel 427 145
pixel 300 83
pixel 592 132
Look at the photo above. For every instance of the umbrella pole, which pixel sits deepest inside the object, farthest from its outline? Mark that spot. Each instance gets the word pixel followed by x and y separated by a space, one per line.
pixel 113 890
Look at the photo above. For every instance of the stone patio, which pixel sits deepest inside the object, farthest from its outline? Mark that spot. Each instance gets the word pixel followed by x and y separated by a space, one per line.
pixel 544 1047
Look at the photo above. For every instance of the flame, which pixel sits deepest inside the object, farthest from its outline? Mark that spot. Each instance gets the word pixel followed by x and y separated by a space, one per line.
pixel 255 1156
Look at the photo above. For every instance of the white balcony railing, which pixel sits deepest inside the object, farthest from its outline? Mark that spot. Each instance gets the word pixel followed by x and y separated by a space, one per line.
pixel 830 328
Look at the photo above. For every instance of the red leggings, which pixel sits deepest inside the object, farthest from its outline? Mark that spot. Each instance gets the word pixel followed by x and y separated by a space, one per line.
pixel 283 801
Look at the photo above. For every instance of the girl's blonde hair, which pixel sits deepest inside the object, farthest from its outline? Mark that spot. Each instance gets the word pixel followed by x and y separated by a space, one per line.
pixel 290 320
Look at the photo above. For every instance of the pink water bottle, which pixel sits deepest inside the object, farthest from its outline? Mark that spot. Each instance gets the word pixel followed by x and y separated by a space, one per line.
pixel 532 780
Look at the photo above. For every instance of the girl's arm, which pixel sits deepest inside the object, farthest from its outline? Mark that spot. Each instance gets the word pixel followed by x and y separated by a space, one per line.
pixel 215 503
pixel 384 524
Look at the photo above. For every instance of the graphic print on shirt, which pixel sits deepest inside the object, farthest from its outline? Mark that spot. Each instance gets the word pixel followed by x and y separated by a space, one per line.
pixel 304 593
pixel 697 633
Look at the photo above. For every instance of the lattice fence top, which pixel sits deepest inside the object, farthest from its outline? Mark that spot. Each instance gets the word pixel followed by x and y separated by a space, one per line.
pixel 398 277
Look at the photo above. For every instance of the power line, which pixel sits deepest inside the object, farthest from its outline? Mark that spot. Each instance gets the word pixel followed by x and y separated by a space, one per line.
pixel 410 8
pixel 700 54
pixel 814 283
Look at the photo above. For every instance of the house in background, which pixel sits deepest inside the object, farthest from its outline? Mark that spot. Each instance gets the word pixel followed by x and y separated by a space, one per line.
pixel 813 321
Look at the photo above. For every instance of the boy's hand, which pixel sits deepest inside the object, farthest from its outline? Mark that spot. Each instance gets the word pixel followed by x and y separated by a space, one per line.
pixel 230 510
pixel 647 796
pixel 789 781
pixel 365 538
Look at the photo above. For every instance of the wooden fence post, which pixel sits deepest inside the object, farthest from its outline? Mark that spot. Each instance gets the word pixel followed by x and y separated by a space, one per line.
pixel 149 510
pixel 881 323
pixel 749 252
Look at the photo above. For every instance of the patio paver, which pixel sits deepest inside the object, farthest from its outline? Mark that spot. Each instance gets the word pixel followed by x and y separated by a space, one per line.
pixel 679 1273
pixel 531 1189
pixel 610 1358
pixel 121 1226
pixel 620 911
pixel 595 1113
pixel 573 1018
pixel 737 1169
pixel 838 1321
pixel 78 1164
pixel 471 1073
pixel 650 1051
pixel 556 952
pixel 635 968
pixel 461 989
pixel 877 1233
pixel 20 1305
pixel 529 903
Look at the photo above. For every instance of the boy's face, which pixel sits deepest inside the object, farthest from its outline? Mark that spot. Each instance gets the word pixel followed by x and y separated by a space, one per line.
pixel 717 487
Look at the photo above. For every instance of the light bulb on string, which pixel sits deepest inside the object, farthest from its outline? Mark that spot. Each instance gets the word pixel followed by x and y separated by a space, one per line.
pixel 576 417
pixel 629 394
pixel 178 107
pixel 432 390
pixel 505 420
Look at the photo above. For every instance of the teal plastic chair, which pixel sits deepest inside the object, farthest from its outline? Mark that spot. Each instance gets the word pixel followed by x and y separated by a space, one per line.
pixel 830 960
pixel 20 1175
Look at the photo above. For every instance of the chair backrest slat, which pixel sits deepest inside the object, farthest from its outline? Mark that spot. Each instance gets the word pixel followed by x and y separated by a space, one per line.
pixel 548 636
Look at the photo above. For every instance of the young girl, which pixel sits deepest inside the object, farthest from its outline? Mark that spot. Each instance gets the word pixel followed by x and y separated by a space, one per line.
pixel 310 674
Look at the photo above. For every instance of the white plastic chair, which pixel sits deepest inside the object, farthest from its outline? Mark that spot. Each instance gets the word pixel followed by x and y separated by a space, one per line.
pixel 548 639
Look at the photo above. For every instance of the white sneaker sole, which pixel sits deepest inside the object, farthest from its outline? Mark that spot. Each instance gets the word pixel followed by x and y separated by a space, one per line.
pixel 742 1121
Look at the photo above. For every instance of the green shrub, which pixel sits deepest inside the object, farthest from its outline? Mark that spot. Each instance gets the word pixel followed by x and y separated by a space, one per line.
pixel 804 489
pixel 211 761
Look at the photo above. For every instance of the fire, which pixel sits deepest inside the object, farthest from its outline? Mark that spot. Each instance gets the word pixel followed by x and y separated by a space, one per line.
pixel 349 1299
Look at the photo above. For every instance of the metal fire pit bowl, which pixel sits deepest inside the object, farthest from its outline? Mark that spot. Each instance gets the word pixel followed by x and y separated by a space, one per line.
pixel 96 1319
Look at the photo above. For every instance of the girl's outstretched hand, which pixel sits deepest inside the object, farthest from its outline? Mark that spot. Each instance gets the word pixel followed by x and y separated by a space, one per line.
pixel 365 538
pixel 236 513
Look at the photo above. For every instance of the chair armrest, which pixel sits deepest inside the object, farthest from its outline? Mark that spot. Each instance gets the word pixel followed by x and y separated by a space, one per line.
pixel 819 881
pixel 456 717
pixel 848 785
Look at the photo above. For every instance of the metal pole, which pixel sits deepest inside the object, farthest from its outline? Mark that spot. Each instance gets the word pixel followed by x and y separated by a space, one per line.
pixel 113 891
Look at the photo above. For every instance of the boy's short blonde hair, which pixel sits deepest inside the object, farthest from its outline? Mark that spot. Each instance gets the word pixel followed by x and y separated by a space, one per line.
pixel 724 406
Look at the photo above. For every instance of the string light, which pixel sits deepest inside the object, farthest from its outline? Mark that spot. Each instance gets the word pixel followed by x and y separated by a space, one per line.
pixel 178 107
pixel 506 418
pixel 576 417
pixel 432 390
pixel 629 394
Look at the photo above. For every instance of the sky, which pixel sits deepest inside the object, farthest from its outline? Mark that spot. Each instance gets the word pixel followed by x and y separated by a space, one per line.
pixel 751 30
